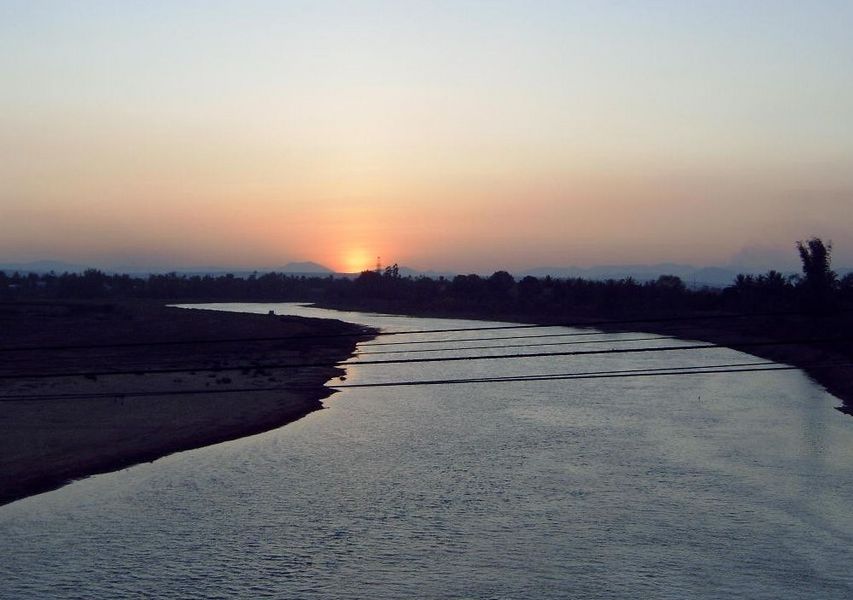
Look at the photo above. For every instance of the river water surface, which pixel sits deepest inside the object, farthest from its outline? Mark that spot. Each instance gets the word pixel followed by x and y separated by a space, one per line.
pixel 700 486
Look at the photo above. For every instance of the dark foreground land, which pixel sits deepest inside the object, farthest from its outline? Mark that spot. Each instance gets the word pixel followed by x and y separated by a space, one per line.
pixel 47 442
pixel 802 320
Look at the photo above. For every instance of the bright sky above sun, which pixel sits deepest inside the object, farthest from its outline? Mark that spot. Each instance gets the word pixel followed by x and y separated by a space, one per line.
pixel 446 135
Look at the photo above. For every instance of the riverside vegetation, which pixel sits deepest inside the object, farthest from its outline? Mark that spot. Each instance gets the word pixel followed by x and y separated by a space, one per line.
pixel 810 308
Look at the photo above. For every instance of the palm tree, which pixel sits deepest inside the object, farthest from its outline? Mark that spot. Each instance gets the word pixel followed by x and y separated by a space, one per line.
pixel 819 280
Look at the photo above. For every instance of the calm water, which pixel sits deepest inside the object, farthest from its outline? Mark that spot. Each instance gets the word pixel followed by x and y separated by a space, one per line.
pixel 708 486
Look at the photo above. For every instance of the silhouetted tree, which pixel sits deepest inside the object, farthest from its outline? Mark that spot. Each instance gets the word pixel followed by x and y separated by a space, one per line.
pixel 819 279
pixel 500 282
pixel 393 271
pixel 498 295
pixel 672 283
pixel 468 286
pixel 529 291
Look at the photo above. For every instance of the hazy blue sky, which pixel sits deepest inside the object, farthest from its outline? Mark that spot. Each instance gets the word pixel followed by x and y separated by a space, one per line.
pixel 448 135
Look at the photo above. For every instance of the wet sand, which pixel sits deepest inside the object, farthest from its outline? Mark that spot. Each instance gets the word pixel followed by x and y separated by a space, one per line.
pixel 45 443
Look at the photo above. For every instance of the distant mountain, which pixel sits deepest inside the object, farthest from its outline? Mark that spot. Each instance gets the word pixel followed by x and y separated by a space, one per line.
pixel 293 268
pixel 59 267
pixel 712 276
pixel 43 266
pixel 306 268
pixel 692 276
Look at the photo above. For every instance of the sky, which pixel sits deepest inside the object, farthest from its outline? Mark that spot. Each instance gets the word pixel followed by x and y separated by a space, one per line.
pixel 463 136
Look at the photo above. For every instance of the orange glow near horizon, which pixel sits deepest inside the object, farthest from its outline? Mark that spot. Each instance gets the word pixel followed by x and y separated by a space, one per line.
pixel 336 135
pixel 355 260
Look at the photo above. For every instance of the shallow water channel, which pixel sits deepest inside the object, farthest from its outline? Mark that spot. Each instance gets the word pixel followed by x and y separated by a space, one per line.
pixel 699 486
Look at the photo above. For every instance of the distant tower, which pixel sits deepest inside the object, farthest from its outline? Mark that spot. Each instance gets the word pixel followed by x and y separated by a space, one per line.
pixel 379 265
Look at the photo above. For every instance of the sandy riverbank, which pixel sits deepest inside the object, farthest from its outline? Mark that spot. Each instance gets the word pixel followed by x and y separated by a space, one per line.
pixel 45 443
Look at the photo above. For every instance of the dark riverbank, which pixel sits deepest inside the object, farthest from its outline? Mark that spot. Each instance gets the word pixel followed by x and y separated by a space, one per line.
pixel 814 306
pixel 45 443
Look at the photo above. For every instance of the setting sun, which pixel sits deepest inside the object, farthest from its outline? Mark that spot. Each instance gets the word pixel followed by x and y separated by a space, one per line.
pixel 355 261
pixel 536 299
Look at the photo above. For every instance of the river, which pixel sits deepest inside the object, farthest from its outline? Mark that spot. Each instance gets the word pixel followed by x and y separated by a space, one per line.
pixel 699 486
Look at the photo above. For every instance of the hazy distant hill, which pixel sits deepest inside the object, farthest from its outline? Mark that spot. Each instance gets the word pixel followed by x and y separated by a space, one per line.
pixel 306 268
pixel 692 276
pixel 42 266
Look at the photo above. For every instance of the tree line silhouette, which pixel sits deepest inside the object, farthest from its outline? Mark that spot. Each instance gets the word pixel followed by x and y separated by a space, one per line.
pixel 818 289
